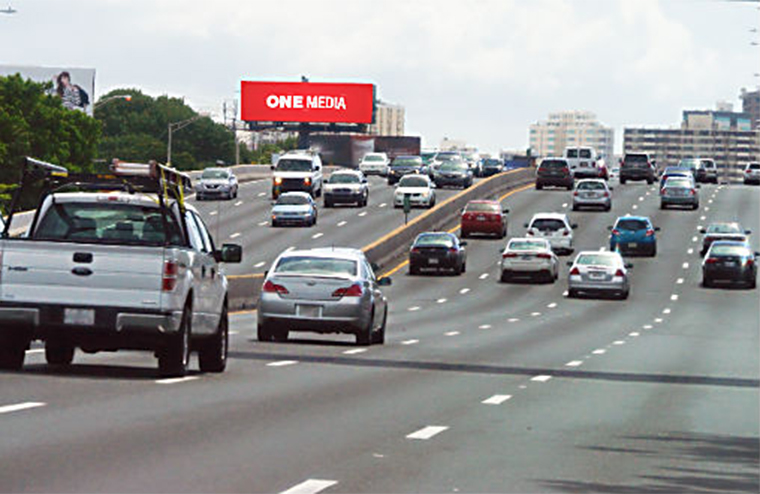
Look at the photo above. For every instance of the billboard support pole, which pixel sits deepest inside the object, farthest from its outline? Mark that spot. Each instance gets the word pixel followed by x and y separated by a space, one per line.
pixel 304 130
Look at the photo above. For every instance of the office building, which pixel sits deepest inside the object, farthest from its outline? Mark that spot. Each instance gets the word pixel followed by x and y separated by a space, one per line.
pixel 389 120
pixel 570 128
pixel 751 106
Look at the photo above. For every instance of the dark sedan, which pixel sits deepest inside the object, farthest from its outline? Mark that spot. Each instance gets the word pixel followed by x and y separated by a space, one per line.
pixel 729 262
pixel 453 174
pixel 404 165
pixel 492 166
pixel 437 251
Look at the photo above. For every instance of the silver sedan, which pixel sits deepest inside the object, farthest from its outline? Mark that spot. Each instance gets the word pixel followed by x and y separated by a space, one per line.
pixel 592 193
pixel 596 272
pixel 326 290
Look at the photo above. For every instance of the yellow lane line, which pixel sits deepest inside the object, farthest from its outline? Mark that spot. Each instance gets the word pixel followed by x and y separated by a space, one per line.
pixel 452 230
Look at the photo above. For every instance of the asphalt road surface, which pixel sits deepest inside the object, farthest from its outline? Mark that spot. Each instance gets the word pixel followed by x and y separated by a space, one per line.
pixel 480 387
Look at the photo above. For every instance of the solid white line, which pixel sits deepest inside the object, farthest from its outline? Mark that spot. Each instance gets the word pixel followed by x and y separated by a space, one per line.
pixel 342 223
pixel 410 342
pixel 574 363
pixel 362 214
pixel 238 203
pixel 679 281
pixel 634 334
pixel 427 432
pixel 263 223
pixel 176 380
pixel 259 264
pixel 414 309
pixel 618 342
pixel 317 235
pixel 685 265
pixel 541 379
pixel 311 486
pixel 484 326
pixel 382 205
pixel 666 311
pixel 212 213
pixel 483 276
pixel 235 235
pixel 282 363
pixel 552 305
pixel 441 301
pixel 463 291
pixel 513 319
pixel 600 351
pixel 674 297
pixel 21 406
pixel 35 350
pixel 496 399
pixel 354 351
pixel 452 333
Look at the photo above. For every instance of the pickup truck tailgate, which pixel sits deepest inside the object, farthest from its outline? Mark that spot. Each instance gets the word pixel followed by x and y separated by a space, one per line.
pixel 92 275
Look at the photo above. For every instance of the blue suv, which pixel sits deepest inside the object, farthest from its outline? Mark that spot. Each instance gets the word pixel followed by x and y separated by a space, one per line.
pixel 634 235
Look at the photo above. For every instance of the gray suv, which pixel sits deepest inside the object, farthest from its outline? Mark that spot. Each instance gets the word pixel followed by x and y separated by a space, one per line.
pixel 324 290
pixel 636 166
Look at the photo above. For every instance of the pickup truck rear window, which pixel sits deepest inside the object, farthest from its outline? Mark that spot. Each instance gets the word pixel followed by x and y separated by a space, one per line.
pixel 107 223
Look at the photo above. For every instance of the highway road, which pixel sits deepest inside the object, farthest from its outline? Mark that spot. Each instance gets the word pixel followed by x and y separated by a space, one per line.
pixel 480 387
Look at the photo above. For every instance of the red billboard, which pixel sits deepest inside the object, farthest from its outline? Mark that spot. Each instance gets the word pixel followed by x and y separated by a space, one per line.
pixel 306 102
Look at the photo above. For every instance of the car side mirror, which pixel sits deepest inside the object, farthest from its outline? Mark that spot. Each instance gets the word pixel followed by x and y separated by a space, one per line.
pixel 463 243
pixel 609 228
pixel 702 231
pixel 569 264
pixel 699 186
pixel 611 188
pixel 757 254
pixel 384 281
pixel 505 210
pixel 525 225
pixel 747 232
pixel 271 167
pixel 657 228
pixel 229 253
pixel 628 265
pixel 374 266
pixel 574 226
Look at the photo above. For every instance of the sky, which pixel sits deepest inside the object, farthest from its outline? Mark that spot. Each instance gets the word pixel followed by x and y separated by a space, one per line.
pixel 480 71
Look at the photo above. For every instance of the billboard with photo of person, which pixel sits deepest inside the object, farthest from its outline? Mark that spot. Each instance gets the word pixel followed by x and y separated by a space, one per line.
pixel 75 86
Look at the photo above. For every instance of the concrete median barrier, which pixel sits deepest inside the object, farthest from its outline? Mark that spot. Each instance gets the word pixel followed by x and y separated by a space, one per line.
pixel 244 289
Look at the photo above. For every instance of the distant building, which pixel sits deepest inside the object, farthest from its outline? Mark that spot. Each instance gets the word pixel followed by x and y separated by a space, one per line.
pixel 751 106
pixel 723 136
pixel 452 144
pixel 570 128
pixel 389 120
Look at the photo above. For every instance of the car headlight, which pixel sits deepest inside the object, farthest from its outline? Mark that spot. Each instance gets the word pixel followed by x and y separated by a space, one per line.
pixel 278 180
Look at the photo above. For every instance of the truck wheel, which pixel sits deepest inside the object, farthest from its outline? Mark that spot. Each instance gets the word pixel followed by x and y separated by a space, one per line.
pixel 174 357
pixel 12 352
pixel 58 352
pixel 212 355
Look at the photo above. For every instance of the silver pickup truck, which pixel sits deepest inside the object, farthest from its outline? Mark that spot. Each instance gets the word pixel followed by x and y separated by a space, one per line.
pixel 115 261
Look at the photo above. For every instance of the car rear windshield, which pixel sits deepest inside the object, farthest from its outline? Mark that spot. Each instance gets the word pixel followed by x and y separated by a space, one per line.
pixel 453 167
pixel 344 178
pixel 482 207
pixel 554 164
pixel 373 157
pixel 591 186
pixel 596 260
pixel 719 250
pixel 724 228
pixel 492 163
pixel 636 158
pixel 320 266
pixel 447 156
pixel 521 245
pixel 214 174
pixel 407 162
pixel 109 223
pixel 413 182
pixel 678 182
pixel 292 200
pixel 548 225
pixel 632 225
pixel 434 240
pixel 585 153
pixel 291 165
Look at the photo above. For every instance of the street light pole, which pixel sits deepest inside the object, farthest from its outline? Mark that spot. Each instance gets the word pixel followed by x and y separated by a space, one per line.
pixel 173 127
pixel 125 97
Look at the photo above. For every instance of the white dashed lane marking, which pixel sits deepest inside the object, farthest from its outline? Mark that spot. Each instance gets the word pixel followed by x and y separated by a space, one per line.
pixel 212 213
pixel 674 297
pixel 452 333
pixel 552 305
pixel 414 309
pixel 618 342
pixel 317 235
pixel 362 214
pixel 235 235
pixel 354 351
pixel 259 264
pixel 647 326
pixel 694 239
pixel 427 432
pixel 513 319
pixel 410 342
pixel 564 205
pixel 282 363
pixel 483 276
pixel 574 363
pixel 21 406
pixel 666 311
pixel 599 351
pixel 685 265
pixel 441 301
pixel 261 194
pixel 382 205
pixel 679 281
pixel 311 486
pixel 177 380
pixel 635 206
pixel 541 378
pixel 535 314
pixel 690 251
pixel 658 320
pixel 463 291
pixel 263 223
pixel 496 399
pixel 238 203
pixel 634 334
pixel 484 326
pixel 342 223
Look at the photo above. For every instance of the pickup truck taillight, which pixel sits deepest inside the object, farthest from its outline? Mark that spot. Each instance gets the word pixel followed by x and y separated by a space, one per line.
pixel 169 278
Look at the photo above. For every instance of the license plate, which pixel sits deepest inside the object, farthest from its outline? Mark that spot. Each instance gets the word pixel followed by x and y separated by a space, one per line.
pixel 481 218
pixel 309 310
pixel 432 261
pixel 79 317
pixel 596 276
pixel 730 264
pixel 632 245
pixel 526 258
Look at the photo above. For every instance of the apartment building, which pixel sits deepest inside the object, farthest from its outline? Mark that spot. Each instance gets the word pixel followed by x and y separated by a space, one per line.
pixel 570 128
pixel 389 120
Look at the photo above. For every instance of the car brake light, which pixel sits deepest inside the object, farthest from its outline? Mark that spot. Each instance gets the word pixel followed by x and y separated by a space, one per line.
pixel 616 232
pixel 575 271
pixel 565 232
pixel 529 233
pixel 415 250
pixel 271 287
pixel 354 290
pixel 750 262
pixel 575 193
pixel 748 171
pixel 508 255
pixel 452 250
pixel 566 170
pixel 169 278
pixel 650 232
pixel 692 191
pixel 711 260
pixel 606 194
pixel 544 256
pixel 619 273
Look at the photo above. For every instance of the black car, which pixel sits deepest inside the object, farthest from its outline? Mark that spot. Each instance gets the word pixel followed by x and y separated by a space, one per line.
pixel 636 166
pixel 404 165
pixel 492 166
pixel 456 174
pixel 437 251
pixel 731 262
pixel 554 171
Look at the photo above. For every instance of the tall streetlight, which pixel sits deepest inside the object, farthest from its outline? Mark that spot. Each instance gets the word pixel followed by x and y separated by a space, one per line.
pixel 175 126
pixel 102 101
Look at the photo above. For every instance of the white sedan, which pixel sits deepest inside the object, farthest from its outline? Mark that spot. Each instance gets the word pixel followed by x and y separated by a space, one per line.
pixel 419 189
pixel 529 257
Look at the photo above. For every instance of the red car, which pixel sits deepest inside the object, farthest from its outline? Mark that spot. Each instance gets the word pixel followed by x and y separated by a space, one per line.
pixel 484 217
